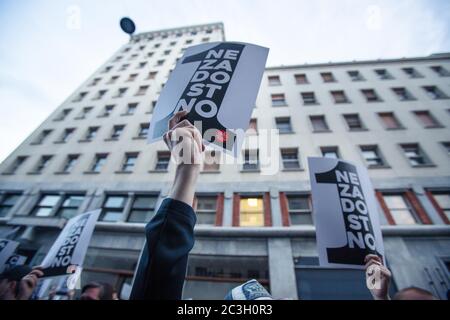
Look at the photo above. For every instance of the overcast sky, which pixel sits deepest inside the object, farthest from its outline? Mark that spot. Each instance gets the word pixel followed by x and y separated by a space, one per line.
pixel 46 52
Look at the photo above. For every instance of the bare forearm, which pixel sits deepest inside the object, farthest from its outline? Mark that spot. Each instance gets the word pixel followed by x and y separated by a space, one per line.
pixel 183 188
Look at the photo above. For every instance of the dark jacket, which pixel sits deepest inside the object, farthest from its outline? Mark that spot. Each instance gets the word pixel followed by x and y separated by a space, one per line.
pixel 162 266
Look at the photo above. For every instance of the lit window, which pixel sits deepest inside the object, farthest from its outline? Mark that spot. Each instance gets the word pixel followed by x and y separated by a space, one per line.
pixel 427 120
pixel 290 159
pixel 400 209
pixel 372 156
pixel 284 125
pixel 278 100
pixel 415 155
pixel 251 212
pixel 299 207
pixel 205 210
pixel 319 124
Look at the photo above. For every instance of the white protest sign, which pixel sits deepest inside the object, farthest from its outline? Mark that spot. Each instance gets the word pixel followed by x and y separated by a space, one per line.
pixel 7 249
pixel 15 260
pixel 217 83
pixel 71 245
pixel 345 213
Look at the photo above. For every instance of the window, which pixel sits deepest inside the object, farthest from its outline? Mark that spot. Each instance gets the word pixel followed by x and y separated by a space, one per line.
pixel 251 160
pixel 278 100
pixel 129 162
pixel 330 152
pixel 301 78
pixel 16 165
pixel 143 130
pixel 133 56
pixel 107 110
pixel 99 162
pixel 319 124
pixel 95 82
pixel 159 62
pixel 390 121
pixel 150 54
pixel 383 74
pixel 327 77
pixel 372 156
pixel 64 113
pixel 67 133
pixel 166 52
pixel 427 120
pixel 355 75
pixel 141 48
pixel 309 98
pixel 354 122
pixel 100 95
pixel 69 206
pixel 120 93
pixel 400 209
pixel 172 43
pixel 412 73
pixel 131 108
pixel 211 162
pixel 163 160
pixel 253 127
pixel 85 112
pixel 91 133
pixel 124 67
pixel 42 136
pixel 441 71
pixel 113 207
pixel 143 208
pixel 441 202
pixel 188 41
pixel 132 77
pixel 142 90
pixel 403 94
pixel 290 159
pixel 284 125
pixel 205 39
pixel 157 45
pixel 206 208
pixel 446 145
pixel 339 97
pixel 80 97
pixel 152 75
pixel 251 212
pixel 435 93
pixel 70 162
pixel 300 209
pixel 107 69
pixel 118 58
pixel 141 65
pixel 415 155
pixel 274 80
pixel 45 206
pixel 117 131
pixel 113 80
pixel 43 163
pixel 371 95
pixel 7 202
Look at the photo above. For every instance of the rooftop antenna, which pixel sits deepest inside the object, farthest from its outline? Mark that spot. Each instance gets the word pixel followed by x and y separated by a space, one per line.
pixel 127 26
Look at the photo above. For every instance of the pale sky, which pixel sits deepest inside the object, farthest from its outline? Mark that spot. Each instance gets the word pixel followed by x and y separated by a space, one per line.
pixel 45 54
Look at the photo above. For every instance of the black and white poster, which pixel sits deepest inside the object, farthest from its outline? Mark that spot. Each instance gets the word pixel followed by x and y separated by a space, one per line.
pixel 345 213
pixel 7 249
pixel 69 249
pixel 217 83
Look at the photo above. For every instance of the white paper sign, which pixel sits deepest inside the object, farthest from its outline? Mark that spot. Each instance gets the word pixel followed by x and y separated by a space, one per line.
pixel 218 84
pixel 71 245
pixel 7 249
pixel 345 213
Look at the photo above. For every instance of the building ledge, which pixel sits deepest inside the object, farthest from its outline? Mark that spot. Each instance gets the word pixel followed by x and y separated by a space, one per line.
pixel 52 222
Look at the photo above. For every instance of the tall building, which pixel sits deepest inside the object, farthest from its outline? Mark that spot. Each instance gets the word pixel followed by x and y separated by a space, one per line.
pixel 390 115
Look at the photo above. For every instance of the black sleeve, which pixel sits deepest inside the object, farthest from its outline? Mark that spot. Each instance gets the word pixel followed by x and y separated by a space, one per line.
pixel 162 266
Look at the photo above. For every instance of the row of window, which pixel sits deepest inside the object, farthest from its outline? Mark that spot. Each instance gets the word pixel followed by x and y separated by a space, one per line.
pixel 355 75
pixel 401 208
pixel 370 95
pixel 165 35
pixel 289 156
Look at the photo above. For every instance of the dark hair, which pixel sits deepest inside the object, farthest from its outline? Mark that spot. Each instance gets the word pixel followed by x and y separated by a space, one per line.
pixel 91 285
pixel 107 291
pixel 420 294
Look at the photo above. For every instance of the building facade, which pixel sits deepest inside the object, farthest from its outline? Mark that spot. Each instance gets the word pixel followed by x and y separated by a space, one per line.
pixel 390 115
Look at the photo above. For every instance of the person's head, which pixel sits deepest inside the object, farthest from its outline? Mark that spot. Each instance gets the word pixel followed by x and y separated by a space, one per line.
pixel 9 281
pixel 91 291
pixel 414 293
pixel 107 292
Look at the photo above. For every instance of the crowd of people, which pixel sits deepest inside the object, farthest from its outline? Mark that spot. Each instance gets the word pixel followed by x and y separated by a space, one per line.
pixel 161 271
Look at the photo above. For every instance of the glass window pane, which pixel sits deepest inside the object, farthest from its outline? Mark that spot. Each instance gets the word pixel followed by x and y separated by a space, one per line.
pixel 73 201
pixel 251 205
pixel 11 199
pixel 206 203
pixel 43 212
pixel 144 202
pixel 4 211
pixel 206 218
pixel 115 202
pixel 298 203
pixel 112 216
pixel 251 219
pixel 395 202
pixel 49 200
pixel 300 218
pixel 403 217
pixel 443 200
pixel 140 216
pixel 67 213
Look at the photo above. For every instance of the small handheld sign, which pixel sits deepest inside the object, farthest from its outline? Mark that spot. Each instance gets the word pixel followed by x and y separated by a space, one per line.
pixel 345 213
pixel 217 83
pixel 7 249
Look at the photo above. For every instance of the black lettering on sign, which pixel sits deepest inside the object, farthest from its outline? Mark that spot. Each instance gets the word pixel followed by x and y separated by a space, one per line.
pixel 358 227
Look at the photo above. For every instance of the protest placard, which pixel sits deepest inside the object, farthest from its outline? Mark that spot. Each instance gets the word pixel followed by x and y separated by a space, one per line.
pixel 217 83
pixel 70 247
pixel 345 213
pixel 7 249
